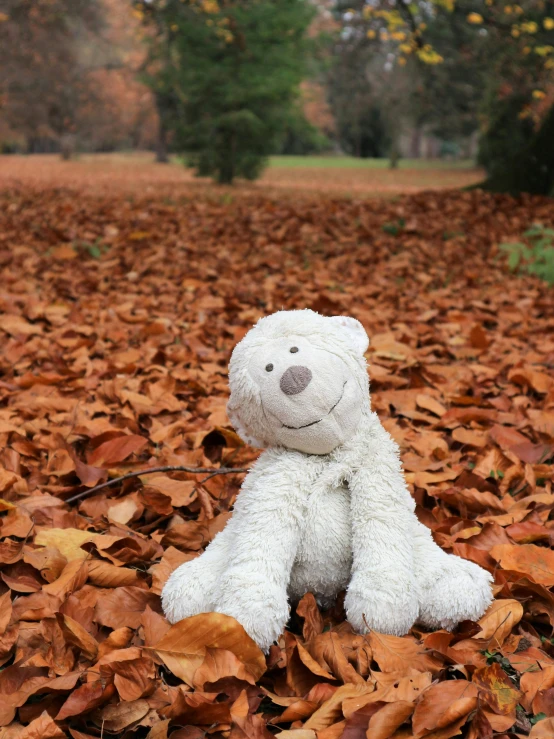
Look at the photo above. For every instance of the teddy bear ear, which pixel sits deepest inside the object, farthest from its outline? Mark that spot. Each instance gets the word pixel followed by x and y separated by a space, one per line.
pixel 357 336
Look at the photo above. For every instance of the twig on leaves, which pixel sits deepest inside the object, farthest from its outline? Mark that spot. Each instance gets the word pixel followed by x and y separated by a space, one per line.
pixel 167 468
pixel 499 625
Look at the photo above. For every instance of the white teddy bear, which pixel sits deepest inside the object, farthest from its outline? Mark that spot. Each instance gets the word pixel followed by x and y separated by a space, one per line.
pixel 325 508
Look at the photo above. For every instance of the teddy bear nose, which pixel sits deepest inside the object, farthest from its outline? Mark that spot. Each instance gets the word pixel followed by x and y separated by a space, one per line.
pixel 295 379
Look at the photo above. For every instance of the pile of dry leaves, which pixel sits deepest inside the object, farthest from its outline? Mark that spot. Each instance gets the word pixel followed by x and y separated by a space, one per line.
pixel 117 318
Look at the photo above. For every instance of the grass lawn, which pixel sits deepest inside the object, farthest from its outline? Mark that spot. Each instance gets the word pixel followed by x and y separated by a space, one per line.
pixel 346 162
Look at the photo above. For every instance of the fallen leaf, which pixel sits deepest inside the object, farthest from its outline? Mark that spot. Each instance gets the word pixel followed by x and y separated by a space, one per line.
pixel 499 620
pixel 184 647
pixel 116 450
pixel 442 705
pixel 399 654
pixel 499 691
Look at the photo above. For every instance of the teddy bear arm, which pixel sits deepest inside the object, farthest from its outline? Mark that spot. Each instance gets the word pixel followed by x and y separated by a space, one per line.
pixel 267 516
pixel 383 589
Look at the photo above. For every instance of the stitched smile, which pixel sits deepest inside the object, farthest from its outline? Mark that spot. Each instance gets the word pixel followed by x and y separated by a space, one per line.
pixel 313 423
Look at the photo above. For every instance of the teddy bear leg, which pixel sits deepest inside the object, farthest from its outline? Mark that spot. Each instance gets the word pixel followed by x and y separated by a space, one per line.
pixel 451 589
pixel 192 587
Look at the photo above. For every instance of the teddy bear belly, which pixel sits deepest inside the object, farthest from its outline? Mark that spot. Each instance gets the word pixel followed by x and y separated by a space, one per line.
pixel 324 557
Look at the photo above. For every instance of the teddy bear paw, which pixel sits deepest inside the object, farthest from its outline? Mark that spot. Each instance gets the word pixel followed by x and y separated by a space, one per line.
pixel 187 592
pixel 462 593
pixel 381 612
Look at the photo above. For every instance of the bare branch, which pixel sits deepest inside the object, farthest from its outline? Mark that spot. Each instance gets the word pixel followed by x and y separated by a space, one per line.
pixel 167 468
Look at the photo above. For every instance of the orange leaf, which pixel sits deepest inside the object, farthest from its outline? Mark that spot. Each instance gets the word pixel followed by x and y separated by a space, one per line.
pixel 396 654
pixel 116 450
pixel 184 647
pixel 535 561
pixel 499 619
pixel 443 704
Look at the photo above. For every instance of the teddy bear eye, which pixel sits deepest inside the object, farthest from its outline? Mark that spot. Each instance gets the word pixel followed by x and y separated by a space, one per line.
pixel 269 368
pixel 293 349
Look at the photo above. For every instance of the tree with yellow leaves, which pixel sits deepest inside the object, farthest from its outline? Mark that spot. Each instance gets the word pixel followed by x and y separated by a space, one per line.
pixel 516 51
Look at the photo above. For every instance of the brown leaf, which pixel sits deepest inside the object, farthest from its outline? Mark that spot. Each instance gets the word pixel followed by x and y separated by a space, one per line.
pixel 331 710
pixel 499 691
pixel 5 611
pixel 49 561
pixel 313 622
pixel 498 621
pixel 134 678
pixel 184 647
pixel 85 698
pixel 106 575
pixel 386 721
pixel 537 562
pixel 115 718
pixel 42 728
pixel 220 663
pixel 399 654
pixel 180 492
pixel 75 634
pixel 534 680
pixel 543 729
pixel 154 625
pixel 443 704
pixel 72 578
pixel 480 727
pixel 124 607
pixel 116 450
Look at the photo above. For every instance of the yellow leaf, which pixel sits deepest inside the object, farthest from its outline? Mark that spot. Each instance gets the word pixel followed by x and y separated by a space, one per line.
pixel 475 18
pixel 66 541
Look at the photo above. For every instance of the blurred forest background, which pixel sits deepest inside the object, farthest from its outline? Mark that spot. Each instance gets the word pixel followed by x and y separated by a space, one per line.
pixel 223 84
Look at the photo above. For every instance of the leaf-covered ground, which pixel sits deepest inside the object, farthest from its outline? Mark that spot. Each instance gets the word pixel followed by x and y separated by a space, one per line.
pixel 137 171
pixel 118 313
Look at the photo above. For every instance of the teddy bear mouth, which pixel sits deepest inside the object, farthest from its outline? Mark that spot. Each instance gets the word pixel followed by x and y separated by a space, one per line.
pixel 313 423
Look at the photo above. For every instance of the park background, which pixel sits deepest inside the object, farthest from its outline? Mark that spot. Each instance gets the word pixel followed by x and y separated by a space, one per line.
pixel 465 83
pixel 173 170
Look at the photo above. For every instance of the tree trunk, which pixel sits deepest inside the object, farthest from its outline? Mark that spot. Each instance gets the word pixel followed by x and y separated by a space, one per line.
pixel 226 173
pixel 67 146
pixel 161 145
pixel 394 153
pixel 530 170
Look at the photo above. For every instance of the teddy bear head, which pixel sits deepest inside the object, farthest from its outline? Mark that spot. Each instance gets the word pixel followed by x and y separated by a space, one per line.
pixel 299 380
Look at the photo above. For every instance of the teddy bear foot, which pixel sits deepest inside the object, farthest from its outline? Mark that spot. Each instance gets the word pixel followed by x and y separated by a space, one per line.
pixel 186 592
pixel 462 593
pixel 379 612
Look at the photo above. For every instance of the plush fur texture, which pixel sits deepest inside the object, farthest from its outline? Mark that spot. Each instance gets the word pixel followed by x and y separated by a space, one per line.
pixel 325 508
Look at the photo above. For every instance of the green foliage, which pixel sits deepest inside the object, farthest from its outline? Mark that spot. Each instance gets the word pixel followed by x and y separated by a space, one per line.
pixel 394 228
pixel 94 250
pixel 506 131
pixel 233 70
pixel 536 257
pixel 301 138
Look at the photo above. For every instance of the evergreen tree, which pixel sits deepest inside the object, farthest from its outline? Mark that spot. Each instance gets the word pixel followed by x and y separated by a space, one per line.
pixel 234 66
